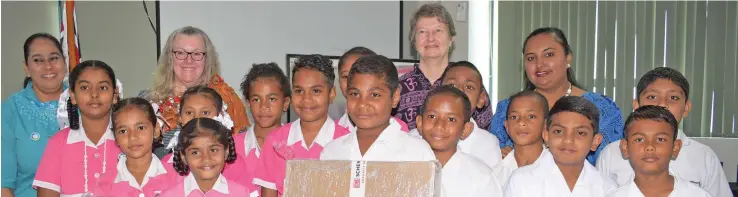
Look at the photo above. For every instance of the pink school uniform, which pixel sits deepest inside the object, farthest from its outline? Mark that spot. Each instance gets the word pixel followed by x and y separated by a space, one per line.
pixel 121 183
pixel 248 151
pixel 287 143
pixel 62 167
pixel 188 188
pixel 345 122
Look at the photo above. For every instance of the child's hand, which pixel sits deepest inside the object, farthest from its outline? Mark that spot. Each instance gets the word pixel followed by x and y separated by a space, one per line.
pixel 506 150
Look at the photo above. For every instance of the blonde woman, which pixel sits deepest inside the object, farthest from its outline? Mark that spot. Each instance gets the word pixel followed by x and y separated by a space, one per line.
pixel 189 59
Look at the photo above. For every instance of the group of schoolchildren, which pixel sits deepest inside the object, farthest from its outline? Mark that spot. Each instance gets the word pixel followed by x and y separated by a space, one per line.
pixel 549 156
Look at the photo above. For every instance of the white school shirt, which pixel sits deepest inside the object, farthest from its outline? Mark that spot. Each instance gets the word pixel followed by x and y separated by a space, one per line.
pixel 480 144
pixel 696 163
pixel 392 144
pixel 682 188
pixel 465 175
pixel 544 179
pixel 504 169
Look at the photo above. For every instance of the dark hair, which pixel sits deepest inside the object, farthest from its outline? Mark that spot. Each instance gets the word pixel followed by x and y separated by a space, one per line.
pixel 265 70
pixel 195 128
pixel 74 76
pixel 318 63
pixel 532 94
pixel 453 91
pixel 202 90
pixel 578 105
pixel 559 37
pixel 30 39
pixel 463 64
pixel 378 66
pixel 670 74
pixel 26 81
pixel 655 113
pixel 143 105
pixel 359 51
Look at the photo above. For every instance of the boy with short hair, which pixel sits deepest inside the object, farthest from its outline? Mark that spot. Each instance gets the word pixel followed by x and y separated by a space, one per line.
pixel 571 133
pixel 696 162
pixel 650 143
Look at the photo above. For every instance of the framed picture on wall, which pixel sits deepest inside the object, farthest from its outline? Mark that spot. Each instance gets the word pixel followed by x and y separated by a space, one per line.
pixel 338 107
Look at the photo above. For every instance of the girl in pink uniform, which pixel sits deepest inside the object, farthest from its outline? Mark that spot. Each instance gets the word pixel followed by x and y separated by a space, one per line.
pixel 312 91
pixel 139 173
pixel 76 156
pixel 204 147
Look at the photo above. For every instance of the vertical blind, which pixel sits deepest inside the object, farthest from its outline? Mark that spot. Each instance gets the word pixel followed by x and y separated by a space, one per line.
pixel 615 43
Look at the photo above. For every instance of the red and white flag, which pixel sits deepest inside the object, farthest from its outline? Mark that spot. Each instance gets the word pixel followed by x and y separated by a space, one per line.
pixel 68 33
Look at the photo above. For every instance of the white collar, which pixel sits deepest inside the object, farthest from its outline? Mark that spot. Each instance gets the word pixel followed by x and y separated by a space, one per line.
pixel 250 142
pixel 155 169
pixel 510 161
pixel 685 140
pixel 190 184
pixel 324 136
pixel 79 135
pixel 388 134
pixel 345 121
pixel 454 163
pixel 585 176
pixel 635 191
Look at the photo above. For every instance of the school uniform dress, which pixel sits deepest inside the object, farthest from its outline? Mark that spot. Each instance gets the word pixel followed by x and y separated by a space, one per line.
pixel 288 143
pixel 465 175
pixel 480 144
pixel 504 169
pixel 544 179
pixel 189 188
pixel 122 183
pixel 345 122
pixel 27 126
pixel 696 163
pixel 392 144
pixel 62 167
pixel 248 151
pixel 682 188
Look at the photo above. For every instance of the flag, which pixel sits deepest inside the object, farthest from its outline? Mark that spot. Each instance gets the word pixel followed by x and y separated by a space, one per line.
pixel 68 33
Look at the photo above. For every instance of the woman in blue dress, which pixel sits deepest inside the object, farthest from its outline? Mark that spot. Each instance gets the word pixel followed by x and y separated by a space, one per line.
pixel 547 61
pixel 29 115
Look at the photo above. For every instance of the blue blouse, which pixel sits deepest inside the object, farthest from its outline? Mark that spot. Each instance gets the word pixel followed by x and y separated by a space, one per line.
pixel 27 125
pixel 611 122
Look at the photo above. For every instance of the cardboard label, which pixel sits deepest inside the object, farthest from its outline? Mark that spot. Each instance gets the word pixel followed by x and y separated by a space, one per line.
pixel 358 179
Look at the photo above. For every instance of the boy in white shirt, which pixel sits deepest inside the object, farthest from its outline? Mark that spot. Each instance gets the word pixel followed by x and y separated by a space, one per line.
pixel 525 123
pixel 650 143
pixel 371 94
pixel 696 163
pixel 443 120
pixel 571 133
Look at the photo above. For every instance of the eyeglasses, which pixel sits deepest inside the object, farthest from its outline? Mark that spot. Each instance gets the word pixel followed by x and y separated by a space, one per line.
pixel 182 55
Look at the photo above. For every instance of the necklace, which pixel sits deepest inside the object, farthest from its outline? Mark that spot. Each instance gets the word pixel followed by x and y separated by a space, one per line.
pixel 105 158
pixel 568 91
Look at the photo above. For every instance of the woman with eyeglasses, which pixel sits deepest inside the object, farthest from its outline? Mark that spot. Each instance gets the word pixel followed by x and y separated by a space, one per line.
pixel 29 115
pixel 189 59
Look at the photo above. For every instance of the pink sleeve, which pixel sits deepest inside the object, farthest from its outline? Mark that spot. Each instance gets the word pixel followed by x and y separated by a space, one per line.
pixel 48 174
pixel 403 125
pixel 265 176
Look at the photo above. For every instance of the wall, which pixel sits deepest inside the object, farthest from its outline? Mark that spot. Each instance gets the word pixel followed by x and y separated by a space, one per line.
pixel 462 29
pixel 20 20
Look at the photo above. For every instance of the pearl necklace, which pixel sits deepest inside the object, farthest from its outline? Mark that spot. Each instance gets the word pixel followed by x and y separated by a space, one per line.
pixel 568 91
pixel 105 161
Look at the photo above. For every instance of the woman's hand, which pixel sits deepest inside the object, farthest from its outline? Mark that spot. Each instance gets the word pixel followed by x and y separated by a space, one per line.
pixel 7 192
pixel 506 150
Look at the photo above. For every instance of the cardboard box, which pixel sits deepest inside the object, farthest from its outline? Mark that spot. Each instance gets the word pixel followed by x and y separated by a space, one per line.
pixel 314 178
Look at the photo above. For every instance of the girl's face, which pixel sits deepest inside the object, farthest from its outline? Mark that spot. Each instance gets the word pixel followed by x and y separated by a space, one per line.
pixel 134 132
pixel 197 106
pixel 205 157
pixel 267 102
pixel 94 93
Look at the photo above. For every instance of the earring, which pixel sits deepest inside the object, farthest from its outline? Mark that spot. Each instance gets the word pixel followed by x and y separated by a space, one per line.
pixel 568 65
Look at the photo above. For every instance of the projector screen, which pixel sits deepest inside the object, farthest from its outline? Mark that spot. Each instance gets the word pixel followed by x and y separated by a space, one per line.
pixel 258 32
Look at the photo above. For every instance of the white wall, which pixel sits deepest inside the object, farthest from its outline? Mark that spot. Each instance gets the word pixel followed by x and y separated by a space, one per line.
pixel 462 29
pixel 20 20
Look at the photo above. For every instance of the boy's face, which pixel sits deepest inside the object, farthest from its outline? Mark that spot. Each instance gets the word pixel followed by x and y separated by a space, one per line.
pixel 369 101
pixel 650 146
pixel 442 124
pixel 344 72
pixel 267 102
pixel 311 94
pixel 664 93
pixel 570 138
pixel 466 80
pixel 526 121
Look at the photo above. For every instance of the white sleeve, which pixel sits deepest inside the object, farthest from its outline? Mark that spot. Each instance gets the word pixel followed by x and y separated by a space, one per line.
pixel 716 183
pixel 603 161
pixel 491 187
pixel 510 187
